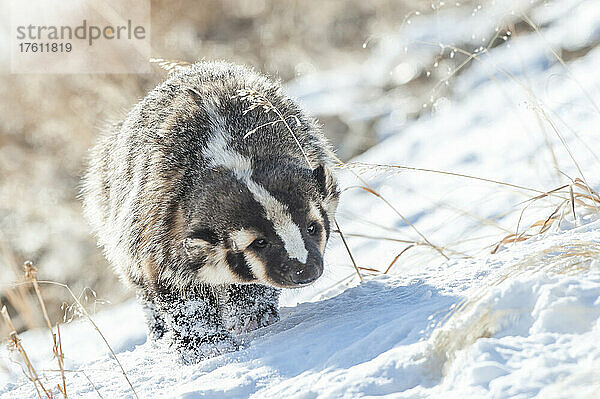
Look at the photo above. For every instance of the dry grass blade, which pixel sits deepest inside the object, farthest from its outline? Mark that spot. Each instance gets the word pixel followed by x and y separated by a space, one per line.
pixel 586 196
pixel 368 269
pixel 20 301
pixel 370 190
pixel 87 377
pixel 61 362
pixel 506 240
pixel 340 282
pixel 402 167
pixel 17 296
pixel 594 196
pixel 404 219
pixel 523 236
pixel 562 62
pixel 550 218
pixel 15 341
pixel 548 222
pixel 379 238
pixel 572 201
pixel 31 276
pixel 545 194
pixel 348 249
pixel 251 132
pixel 563 141
pixel 92 384
pixel 397 257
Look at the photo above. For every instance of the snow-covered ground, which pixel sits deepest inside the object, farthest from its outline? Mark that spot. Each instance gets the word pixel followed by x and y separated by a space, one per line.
pixel 521 322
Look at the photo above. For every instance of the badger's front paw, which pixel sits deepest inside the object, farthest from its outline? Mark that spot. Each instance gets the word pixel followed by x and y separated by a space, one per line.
pixel 244 323
pixel 194 351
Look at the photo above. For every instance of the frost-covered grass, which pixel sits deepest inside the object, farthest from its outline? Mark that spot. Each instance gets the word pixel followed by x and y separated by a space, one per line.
pixel 520 322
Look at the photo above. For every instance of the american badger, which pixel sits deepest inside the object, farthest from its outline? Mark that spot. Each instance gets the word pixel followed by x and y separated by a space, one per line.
pixel 215 192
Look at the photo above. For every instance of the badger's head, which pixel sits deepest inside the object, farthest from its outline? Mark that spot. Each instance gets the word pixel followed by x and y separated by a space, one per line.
pixel 264 222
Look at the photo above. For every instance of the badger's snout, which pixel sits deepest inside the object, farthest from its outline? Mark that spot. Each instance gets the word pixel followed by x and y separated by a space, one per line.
pixel 302 274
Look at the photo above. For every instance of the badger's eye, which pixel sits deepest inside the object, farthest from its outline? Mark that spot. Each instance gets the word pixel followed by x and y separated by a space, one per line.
pixel 260 243
pixel 312 229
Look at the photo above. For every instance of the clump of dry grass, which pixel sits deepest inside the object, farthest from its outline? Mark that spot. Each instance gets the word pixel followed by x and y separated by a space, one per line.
pixel 30 273
pixel 368 188
pixel 31 276
pixel 580 194
pixel 171 66
pixel 15 344
pixel 18 297
pixel 577 194
pixel 446 343
pixel 570 258
pixel 257 99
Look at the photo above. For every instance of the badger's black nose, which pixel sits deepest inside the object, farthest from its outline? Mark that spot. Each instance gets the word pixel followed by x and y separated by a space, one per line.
pixel 307 273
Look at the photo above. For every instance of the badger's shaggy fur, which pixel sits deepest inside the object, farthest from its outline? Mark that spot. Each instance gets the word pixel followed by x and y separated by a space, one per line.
pixel 213 193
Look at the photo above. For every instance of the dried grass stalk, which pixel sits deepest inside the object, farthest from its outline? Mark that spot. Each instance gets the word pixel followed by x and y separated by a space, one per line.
pixel 348 249
pixel 86 314
pixel 31 276
pixel 18 297
pixel 589 201
pixel 15 343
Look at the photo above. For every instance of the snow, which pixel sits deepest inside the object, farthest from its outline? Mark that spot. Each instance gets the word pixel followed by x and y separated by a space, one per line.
pixel 521 322
pixel 527 335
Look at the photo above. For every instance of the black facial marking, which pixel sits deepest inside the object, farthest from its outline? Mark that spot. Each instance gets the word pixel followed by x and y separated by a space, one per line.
pixel 205 234
pixel 260 243
pixel 239 266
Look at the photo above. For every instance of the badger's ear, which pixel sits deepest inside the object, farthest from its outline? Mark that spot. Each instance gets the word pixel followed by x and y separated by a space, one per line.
pixel 327 186
pixel 194 94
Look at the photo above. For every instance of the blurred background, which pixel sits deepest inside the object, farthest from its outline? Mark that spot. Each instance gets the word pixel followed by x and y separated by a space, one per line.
pixel 365 69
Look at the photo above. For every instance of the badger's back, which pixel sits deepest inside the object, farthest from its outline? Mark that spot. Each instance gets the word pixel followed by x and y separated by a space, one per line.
pixel 141 168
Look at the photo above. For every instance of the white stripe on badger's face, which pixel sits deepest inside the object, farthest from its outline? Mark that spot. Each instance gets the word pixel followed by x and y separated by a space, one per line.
pixel 314 213
pixel 257 267
pixel 277 213
pixel 241 239
pixel 220 155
